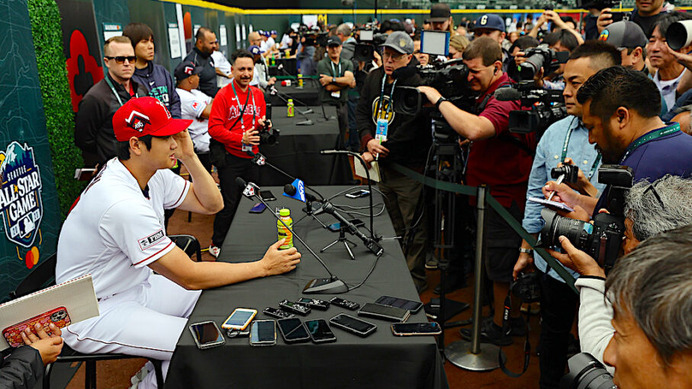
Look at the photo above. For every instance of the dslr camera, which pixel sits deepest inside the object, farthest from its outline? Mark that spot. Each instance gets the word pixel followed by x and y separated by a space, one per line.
pixel 541 57
pixel 571 173
pixel 268 135
pixel 602 239
pixel 586 372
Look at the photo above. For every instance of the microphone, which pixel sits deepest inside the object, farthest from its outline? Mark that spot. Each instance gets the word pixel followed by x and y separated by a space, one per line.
pixel 296 191
pixel 260 160
pixel 331 285
pixel 370 243
pixel 507 94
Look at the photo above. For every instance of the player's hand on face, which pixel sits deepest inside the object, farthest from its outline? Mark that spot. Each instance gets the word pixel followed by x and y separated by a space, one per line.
pixel 185 147
pixel 49 346
pixel 277 261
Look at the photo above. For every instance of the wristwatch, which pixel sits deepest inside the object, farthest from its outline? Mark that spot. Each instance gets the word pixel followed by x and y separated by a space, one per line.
pixel 439 101
pixel 525 251
pixel 333 80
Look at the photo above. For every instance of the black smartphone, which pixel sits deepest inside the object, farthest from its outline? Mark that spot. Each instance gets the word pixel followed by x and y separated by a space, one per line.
pixel 338 301
pixel 293 330
pixel 319 331
pixel 384 312
pixel 318 304
pixel 409 305
pixel 353 325
pixel 206 335
pixel 267 195
pixel 277 313
pixel 412 329
pixel 263 333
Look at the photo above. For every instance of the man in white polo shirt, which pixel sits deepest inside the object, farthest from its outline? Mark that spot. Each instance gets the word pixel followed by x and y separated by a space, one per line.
pixel 195 105
pixel 115 232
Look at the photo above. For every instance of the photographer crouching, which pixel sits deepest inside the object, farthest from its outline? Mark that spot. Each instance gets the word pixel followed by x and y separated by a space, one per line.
pixel 499 159
pixel 395 137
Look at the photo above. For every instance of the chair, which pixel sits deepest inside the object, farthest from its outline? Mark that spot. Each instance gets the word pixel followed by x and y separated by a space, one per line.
pixel 189 244
pixel 43 275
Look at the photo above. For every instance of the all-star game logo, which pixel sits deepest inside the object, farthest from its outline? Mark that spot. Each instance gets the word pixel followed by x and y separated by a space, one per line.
pixel 20 194
pixel 137 120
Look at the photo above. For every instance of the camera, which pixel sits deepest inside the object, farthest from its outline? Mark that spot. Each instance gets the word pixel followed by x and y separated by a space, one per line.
pixel 597 4
pixel 541 57
pixel 268 136
pixel 547 107
pixel 602 239
pixel 367 43
pixel 526 287
pixel 450 78
pixel 571 173
pixel 586 372
pixel 312 36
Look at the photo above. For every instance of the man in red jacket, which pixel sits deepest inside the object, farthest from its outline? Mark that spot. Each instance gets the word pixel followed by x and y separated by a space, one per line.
pixel 237 115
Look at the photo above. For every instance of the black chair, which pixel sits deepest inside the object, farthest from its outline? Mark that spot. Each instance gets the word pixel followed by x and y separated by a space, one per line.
pixel 43 275
pixel 189 244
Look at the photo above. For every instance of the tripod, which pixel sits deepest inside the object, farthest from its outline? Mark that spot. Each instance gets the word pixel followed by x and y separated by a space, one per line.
pixel 342 238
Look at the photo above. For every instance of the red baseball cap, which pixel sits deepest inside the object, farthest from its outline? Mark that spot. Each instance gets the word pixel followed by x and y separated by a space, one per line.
pixel 145 116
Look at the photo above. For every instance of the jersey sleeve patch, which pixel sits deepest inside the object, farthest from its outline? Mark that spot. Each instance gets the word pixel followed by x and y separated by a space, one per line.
pixel 148 241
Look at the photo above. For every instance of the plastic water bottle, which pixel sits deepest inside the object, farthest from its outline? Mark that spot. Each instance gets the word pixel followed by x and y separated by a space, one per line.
pixel 290 109
pixel 284 233
pixel 300 80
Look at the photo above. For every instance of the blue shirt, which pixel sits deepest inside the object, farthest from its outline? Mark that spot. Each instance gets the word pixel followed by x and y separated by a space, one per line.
pixel 669 154
pixel 548 155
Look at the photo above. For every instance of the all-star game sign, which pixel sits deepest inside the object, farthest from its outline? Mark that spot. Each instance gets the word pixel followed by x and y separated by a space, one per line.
pixel 20 195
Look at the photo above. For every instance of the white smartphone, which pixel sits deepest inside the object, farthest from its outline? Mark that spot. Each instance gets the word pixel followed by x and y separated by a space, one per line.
pixel 239 319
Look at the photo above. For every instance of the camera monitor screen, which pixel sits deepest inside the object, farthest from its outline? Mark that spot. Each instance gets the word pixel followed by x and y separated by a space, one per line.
pixel 366 35
pixel 434 42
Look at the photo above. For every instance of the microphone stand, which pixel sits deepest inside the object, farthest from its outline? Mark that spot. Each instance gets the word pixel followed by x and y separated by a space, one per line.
pixel 331 285
pixel 307 121
pixel 275 92
pixel 367 173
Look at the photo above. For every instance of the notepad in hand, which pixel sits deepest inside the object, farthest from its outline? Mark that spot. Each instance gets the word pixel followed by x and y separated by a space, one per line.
pixel 374 170
pixel 550 203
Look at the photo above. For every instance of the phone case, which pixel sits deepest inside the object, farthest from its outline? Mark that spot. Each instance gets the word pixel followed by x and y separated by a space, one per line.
pixel 384 312
pixel 57 316
pixel 228 327
pixel 334 321
pixel 206 345
pixel 398 332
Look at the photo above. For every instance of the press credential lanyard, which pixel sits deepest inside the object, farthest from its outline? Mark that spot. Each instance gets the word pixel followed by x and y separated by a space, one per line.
pixel 655 134
pixel 117 96
pixel 242 111
pixel 383 120
pixel 594 167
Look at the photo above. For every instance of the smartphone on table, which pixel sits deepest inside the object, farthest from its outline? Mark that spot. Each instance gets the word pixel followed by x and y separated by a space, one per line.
pixel 206 335
pixel 413 329
pixel 319 331
pixel 239 319
pixel 263 333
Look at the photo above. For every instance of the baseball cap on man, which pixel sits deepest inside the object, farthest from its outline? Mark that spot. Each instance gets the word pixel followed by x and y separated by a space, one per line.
pixel 254 50
pixel 440 12
pixel 334 41
pixel 145 116
pixel 491 22
pixel 186 69
pixel 399 41
pixel 624 34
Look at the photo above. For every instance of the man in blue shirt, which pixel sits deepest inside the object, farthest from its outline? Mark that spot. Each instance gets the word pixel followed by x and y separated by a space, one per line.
pixel 621 109
pixel 566 139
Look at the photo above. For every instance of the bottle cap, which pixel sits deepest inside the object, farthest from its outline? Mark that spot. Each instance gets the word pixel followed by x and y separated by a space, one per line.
pixel 284 212
pixel 290 100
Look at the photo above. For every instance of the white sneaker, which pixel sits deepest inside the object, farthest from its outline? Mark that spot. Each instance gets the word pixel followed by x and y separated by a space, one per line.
pixel 138 377
pixel 215 251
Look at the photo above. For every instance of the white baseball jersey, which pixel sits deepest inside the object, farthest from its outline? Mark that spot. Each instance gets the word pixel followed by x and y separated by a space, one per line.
pixel 192 104
pixel 116 229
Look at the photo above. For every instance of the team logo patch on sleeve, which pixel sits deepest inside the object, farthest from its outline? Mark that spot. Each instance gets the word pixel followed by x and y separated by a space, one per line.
pixel 151 240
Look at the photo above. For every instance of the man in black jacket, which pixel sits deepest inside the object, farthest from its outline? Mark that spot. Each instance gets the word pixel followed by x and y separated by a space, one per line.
pixel 24 367
pixel 94 120
pixel 405 141
pixel 201 55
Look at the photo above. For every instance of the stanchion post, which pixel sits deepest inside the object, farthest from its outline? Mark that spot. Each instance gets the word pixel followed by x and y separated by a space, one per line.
pixel 473 355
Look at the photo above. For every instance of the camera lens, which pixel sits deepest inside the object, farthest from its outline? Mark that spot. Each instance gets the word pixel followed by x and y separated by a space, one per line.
pixel 586 372
pixel 558 171
pixel 576 231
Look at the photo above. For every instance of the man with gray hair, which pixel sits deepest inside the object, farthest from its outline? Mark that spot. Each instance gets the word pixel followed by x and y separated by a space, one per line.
pixel 651 209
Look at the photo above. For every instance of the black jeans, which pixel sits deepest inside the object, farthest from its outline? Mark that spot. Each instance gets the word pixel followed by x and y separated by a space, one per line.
pixel 231 192
pixel 558 309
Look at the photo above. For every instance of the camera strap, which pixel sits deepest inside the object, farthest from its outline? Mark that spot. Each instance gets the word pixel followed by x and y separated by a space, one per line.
pixel 505 328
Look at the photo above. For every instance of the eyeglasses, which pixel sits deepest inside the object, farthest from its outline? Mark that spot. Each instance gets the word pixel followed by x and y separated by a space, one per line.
pixel 395 57
pixel 121 59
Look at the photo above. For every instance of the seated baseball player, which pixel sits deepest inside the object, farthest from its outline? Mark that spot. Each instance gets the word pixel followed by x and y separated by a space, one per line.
pixel 115 232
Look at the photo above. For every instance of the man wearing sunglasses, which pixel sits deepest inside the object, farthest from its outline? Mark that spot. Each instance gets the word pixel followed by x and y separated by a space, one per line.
pixel 93 123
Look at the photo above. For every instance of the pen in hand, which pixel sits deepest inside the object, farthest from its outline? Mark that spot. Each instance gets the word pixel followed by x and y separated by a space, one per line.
pixel 558 182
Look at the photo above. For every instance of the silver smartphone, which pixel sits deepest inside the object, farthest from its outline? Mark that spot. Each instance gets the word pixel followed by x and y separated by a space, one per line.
pixel 206 335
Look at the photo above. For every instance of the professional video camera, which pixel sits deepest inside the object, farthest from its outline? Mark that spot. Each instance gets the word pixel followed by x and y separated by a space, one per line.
pixel 602 239
pixel 312 36
pixel 547 107
pixel 597 4
pixel 541 57
pixel 450 78
pixel 368 41
pixel 586 372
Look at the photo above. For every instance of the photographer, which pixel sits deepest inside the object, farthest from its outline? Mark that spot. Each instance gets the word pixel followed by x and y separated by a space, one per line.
pixel 237 116
pixel 497 158
pixel 646 14
pixel 565 139
pixel 407 142
pixel 651 209
pixel 627 130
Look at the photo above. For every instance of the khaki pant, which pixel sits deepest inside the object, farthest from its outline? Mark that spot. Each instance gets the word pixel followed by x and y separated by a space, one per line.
pixel 402 195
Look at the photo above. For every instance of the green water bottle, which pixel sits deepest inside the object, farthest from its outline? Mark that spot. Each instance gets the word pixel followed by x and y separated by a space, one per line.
pixel 285 233
pixel 291 109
